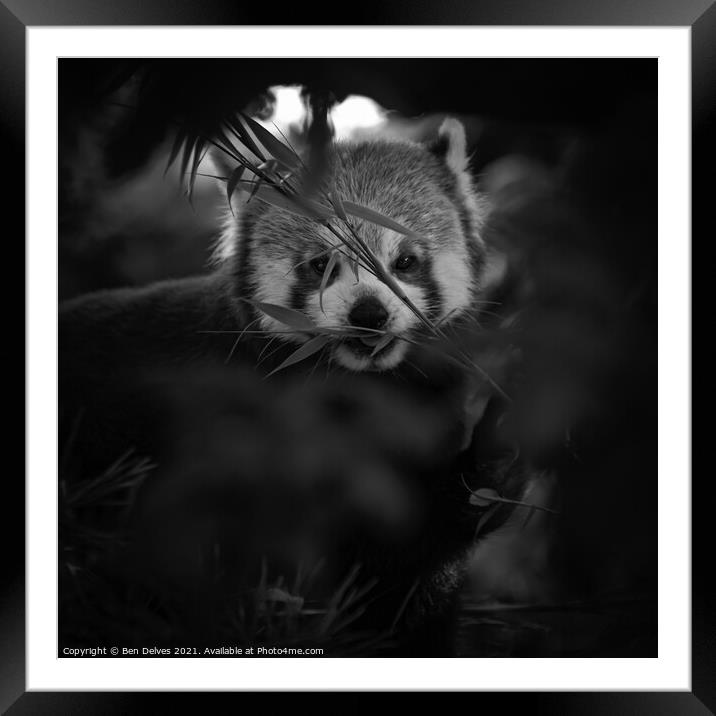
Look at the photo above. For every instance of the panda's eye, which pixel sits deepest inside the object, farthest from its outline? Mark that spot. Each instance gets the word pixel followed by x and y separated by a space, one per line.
pixel 405 262
pixel 319 264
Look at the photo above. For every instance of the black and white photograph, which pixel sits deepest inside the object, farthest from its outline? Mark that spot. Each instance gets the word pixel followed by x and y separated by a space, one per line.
pixel 357 354
pixel 357 357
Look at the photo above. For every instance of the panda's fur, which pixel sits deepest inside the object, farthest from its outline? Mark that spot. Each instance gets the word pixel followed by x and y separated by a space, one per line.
pixel 425 188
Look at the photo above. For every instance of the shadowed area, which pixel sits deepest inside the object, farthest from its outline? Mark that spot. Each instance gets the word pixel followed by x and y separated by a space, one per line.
pixel 201 503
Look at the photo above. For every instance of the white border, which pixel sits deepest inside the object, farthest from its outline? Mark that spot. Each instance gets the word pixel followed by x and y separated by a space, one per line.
pixel 671 670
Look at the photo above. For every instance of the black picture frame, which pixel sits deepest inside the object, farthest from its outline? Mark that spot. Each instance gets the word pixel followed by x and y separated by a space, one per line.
pixel 17 15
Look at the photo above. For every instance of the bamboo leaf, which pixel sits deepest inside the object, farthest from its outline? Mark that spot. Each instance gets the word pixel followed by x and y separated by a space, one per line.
pixel 485 518
pixel 186 155
pixel 243 135
pixel 340 332
pixel 199 153
pixel 287 316
pixel 338 205
pixel 382 343
pixel 232 183
pixel 257 181
pixel 354 266
pixel 363 212
pixel 269 166
pixel 327 276
pixel 305 351
pixel 294 204
pixel 274 146
pixel 484 497
pixel 230 147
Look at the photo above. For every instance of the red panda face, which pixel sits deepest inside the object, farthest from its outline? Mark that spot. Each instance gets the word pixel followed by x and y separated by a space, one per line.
pixel 282 258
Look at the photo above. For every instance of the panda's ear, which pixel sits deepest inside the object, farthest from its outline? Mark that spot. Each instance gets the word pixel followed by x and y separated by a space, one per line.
pixel 451 145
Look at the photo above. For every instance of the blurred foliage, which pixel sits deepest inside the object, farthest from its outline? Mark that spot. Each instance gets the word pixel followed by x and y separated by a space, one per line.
pixel 261 484
pixel 258 486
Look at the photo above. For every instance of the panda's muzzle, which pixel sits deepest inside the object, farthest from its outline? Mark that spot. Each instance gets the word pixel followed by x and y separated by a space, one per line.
pixel 368 312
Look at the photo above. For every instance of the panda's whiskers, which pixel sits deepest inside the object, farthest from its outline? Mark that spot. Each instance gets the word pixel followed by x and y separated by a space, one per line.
pixel 415 367
pixel 238 338
pixel 261 358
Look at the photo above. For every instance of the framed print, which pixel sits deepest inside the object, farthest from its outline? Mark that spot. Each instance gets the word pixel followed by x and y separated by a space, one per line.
pixel 358 356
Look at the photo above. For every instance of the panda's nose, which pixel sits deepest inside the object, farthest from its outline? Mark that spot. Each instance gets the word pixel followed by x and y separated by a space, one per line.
pixel 368 312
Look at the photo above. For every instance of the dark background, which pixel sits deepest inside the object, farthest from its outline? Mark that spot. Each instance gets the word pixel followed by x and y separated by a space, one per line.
pixel 567 148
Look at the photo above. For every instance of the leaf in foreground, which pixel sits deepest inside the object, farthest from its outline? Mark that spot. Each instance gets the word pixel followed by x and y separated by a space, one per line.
pixel 233 182
pixel 382 343
pixel 363 212
pixel 199 154
pixel 338 205
pixel 305 351
pixel 287 316
pixel 327 275
pixel 187 153
pixel 275 147
pixel 294 204
pixel 243 135
pixel 486 518
pixel 484 497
